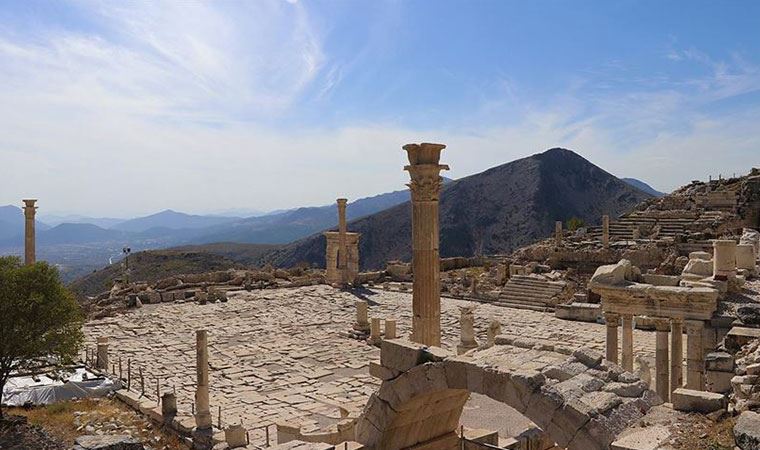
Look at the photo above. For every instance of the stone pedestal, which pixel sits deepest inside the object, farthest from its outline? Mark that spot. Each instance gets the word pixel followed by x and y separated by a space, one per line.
pixel 662 366
pixel 494 329
pixel 235 436
pixel 168 405
pixel 390 329
pixel 558 233
pixel 606 231
pixel 694 357
pixel 362 317
pixel 613 322
pixel 724 259
pixel 30 252
pixel 374 331
pixel 467 339
pixel 627 357
pixel 676 354
pixel 102 354
pixel 745 257
pixel 424 170
pixel 202 409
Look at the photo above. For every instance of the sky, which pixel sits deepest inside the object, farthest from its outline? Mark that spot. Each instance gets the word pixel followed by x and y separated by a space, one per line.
pixel 126 108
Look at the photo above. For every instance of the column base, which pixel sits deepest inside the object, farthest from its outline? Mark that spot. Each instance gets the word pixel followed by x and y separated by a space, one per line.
pixel 465 347
pixel 203 439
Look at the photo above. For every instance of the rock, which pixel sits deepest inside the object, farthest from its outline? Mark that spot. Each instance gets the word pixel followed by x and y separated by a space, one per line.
pixel 700 255
pixel 114 442
pixel 698 267
pixel 749 314
pixel 700 401
pixel 747 431
pixel 613 274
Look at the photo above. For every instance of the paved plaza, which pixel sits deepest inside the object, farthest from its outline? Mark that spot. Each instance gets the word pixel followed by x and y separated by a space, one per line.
pixel 286 354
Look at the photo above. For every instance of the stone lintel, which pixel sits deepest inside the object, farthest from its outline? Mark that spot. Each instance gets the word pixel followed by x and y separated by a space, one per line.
pixel 695 303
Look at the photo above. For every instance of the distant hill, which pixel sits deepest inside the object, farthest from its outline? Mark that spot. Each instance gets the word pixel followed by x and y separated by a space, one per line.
pixel 247 254
pixel 102 222
pixel 151 266
pixel 12 223
pixel 495 211
pixel 287 226
pixel 640 185
pixel 171 220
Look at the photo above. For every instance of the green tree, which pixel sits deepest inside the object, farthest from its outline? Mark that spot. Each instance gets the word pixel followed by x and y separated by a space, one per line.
pixel 39 318
pixel 574 223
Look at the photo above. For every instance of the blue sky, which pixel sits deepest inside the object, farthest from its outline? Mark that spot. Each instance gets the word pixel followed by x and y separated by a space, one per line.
pixel 121 108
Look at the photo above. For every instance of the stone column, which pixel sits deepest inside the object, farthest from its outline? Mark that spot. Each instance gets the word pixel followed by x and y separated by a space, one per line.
pixel 613 322
pixel 390 329
pixel 606 231
pixel 467 339
pixel 724 259
pixel 627 356
pixel 30 252
pixel 102 354
pixel 374 330
pixel 494 329
pixel 694 356
pixel 342 247
pixel 676 354
pixel 362 316
pixel 202 410
pixel 424 169
pixel 662 366
pixel 558 233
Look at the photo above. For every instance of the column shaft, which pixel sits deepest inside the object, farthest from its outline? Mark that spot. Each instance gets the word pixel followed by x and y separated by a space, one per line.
pixel 342 247
pixel 676 354
pixel 694 357
pixel 662 372
pixel 202 410
pixel 606 231
pixel 30 241
pixel 613 322
pixel 628 342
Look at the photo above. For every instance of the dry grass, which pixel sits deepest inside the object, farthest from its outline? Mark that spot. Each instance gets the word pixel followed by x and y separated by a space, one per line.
pixel 70 419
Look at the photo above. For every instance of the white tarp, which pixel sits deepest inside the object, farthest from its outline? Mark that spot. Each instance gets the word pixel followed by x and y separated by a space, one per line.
pixel 44 390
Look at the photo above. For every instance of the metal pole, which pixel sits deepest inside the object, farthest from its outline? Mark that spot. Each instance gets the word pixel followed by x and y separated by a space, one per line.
pixel 129 373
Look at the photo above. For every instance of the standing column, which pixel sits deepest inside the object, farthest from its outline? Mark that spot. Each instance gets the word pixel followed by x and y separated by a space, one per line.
pixel 694 357
pixel 466 330
pixel 628 342
pixel 676 354
pixel 424 169
pixel 342 247
pixel 101 363
pixel 362 316
pixel 202 411
pixel 605 231
pixel 724 259
pixel 613 322
pixel 662 372
pixel 30 252
pixel 558 233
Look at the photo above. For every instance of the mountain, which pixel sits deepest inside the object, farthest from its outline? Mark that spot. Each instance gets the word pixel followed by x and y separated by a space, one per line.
pixel 171 220
pixel 289 225
pixel 12 223
pixel 102 222
pixel 79 233
pixel 640 185
pixel 495 211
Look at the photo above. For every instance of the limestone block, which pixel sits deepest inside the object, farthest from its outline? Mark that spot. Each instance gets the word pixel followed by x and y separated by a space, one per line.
pixel 456 372
pixel 106 442
pixel 747 431
pixel 752 237
pixel 700 255
pixel 721 361
pixel 565 370
pixel 613 274
pixel 649 438
pixel 591 358
pixel 542 405
pixel 601 401
pixel 753 369
pixel 401 354
pixel 626 389
pixel 699 267
pixel 584 312
pixel 235 436
pixel 699 401
pixel 377 370
pixel 718 381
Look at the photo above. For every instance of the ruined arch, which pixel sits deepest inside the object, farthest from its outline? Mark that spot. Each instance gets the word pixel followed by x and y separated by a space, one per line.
pixel 582 403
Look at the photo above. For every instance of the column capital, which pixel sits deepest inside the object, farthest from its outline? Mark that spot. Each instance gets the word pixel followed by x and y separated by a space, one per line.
pixel 676 320
pixel 342 201
pixel 661 323
pixel 612 319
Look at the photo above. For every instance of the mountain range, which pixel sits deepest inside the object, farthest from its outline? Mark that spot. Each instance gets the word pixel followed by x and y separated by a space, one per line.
pixel 492 212
pixel 488 212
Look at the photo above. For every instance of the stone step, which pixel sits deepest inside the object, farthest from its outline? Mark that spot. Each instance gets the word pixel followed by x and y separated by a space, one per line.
pixel 527 292
pixel 518 305
pixel 524 301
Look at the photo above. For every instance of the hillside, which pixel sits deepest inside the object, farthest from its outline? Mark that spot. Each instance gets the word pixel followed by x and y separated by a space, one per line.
pixel 640 185
pixel 492 212
pixel 172 220
pixel 150 266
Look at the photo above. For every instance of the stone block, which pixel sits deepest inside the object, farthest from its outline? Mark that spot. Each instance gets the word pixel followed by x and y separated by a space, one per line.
pixel 718 381
pixel 106 442
pixel 720 361
pixel 402 355
pixel 753 369
pixel 626 389
pixel 583 312
pixel 381 372
pixel 649 438
pixel 747 431
pixel 698 401
pixel 591 358
pixel 739 336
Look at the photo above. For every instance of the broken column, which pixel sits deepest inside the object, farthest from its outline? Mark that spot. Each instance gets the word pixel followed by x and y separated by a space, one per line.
pixel 342 247
pixel 390 329
pixel 424 170
pixel 613 322
pixel 724 259
pixel 676 354
pixel 30 253
pixel 362 317
pixel 494 329
pixel 202 409
pixel 662 372
pixel 467 339
pixel 374 331
pixel 694 357
pixel 101 362
pixel 605 231
pixel 627 350
pixel 558 233
pixel 745 258
pixel 168 405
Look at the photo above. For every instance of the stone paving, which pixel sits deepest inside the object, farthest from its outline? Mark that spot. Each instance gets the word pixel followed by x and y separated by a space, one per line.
pixel 285 354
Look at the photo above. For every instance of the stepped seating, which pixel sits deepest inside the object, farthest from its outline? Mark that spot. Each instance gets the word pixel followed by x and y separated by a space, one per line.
pixel 529 292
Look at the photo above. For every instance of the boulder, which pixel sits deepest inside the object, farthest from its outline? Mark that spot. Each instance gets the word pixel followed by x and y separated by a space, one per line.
pixel 112 442
pixel 747 431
